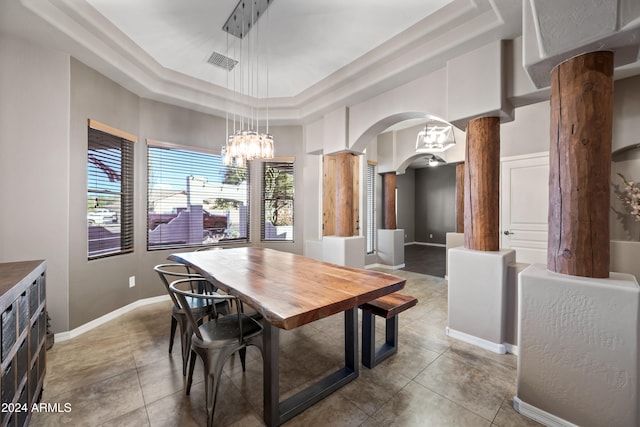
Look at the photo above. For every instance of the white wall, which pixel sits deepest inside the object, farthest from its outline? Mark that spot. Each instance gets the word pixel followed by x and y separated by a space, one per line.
pixel 34 164
pixel 528 133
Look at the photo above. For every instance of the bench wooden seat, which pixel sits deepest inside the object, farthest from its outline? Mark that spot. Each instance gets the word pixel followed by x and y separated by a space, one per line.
pixel 387 307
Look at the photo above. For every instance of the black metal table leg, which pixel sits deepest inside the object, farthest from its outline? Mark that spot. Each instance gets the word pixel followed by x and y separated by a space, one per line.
pixel 271 373
pixel 275 412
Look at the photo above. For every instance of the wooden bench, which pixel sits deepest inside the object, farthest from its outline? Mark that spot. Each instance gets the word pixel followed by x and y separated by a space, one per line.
pixel 388 307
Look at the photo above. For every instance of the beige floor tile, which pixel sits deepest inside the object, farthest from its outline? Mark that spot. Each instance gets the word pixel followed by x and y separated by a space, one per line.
pixel 137 418
pixel 418 406
pixel 472 388
pixel 508 417
pixel 122 374
pixel 96 403
pixel 97 361
pixel 333 411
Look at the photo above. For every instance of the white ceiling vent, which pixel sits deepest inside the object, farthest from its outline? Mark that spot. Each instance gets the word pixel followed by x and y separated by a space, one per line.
pixel 222 61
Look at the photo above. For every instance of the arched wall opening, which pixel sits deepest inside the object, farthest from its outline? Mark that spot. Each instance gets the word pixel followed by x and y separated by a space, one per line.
pixel 394 137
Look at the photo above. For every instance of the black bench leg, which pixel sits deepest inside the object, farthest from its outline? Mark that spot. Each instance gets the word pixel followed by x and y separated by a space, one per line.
pixel 370 356
pixel 368 339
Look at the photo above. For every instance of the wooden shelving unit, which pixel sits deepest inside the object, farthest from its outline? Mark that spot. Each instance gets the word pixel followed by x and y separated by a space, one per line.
pixel 23 331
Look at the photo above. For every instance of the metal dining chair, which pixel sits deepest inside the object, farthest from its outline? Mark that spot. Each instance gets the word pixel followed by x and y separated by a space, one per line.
pixel 215 340
pixel 200 308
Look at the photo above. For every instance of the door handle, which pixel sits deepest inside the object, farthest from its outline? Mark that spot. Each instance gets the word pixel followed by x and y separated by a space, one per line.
pixel 507 232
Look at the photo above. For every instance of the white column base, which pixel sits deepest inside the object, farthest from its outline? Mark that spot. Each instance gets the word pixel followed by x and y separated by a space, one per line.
pixel 478 296
pixel 579 342
pixel 391 248
pixel 347 251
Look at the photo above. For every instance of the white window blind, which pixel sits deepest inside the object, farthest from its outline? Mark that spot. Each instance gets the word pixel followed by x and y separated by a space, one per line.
pixel 110 192
pixel 193 199
pixel 371 208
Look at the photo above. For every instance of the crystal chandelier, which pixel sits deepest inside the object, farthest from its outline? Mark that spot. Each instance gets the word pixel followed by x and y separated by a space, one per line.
pixel 435 138
pixel 246 141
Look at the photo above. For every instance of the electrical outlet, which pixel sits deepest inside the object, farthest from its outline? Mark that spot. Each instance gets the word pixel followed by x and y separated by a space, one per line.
pixel 132 281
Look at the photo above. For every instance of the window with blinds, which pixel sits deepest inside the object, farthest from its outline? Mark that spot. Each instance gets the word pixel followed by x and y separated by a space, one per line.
pixel 371 208
pixel 193 199
pixel 109 191
pixel 277 216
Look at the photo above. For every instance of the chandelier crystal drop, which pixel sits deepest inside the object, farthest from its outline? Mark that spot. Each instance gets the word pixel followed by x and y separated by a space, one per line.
pixel 246 141
pixel 244 145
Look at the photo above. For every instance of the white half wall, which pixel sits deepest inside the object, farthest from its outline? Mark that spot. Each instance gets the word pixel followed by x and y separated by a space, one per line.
pixel 579 347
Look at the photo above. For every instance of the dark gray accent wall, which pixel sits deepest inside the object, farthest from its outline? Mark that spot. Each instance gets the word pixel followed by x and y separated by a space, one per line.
pixel 435 203
pixel 405 204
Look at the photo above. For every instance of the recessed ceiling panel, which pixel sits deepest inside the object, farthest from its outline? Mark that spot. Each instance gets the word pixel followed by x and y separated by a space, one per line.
pixel 307 40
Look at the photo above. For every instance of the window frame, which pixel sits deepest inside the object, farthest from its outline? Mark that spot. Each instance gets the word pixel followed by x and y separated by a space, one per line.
pixel 263 200
pixel 100 134
pixel 245 225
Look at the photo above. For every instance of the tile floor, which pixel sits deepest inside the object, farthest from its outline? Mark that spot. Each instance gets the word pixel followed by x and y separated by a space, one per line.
pixel 120 374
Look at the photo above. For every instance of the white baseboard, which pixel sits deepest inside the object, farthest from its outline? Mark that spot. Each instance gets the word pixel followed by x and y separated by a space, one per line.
pixel 539 415
pixel 480 342
pixel 63 336
pixel 440 245
pixel 511 348
pixel 378 265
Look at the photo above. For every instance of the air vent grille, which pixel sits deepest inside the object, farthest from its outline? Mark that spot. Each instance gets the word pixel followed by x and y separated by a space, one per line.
pixel 219 60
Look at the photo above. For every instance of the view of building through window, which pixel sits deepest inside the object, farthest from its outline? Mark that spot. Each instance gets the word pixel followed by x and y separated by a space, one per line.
pixel 192 199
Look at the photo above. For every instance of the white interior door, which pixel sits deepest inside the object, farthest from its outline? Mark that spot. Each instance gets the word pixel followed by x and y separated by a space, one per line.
pixel 524 206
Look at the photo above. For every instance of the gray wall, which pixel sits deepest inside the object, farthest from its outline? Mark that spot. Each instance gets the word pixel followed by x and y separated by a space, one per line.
pixel 435 203
pixel 106 280
pixel 34 164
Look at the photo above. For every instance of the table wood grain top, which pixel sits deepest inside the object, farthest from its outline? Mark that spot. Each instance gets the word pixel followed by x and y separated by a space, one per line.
pixel 289 290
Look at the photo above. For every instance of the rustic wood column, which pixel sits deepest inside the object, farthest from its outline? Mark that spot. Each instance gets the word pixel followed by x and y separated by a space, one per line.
pixel 389 200
pixel 344 194
pixel 580 165
pixel 482 185
pixel 460 198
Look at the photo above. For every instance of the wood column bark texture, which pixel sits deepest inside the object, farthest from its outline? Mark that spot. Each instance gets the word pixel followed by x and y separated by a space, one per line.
pixel 344 194
pixel 482 185
pixel 389 200
pixel 460 198
pixel 580 165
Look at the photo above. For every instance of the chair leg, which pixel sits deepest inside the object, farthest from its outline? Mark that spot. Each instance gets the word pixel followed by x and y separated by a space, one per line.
pixel 214 390
pixel 174 324
pixel 185 341
pixel 192 364
pixel 243 358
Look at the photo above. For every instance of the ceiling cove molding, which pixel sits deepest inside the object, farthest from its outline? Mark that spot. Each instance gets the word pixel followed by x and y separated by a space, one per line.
pixel 459 27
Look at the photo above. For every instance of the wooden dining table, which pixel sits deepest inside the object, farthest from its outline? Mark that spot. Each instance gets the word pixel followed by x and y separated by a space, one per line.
pixel 289 291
